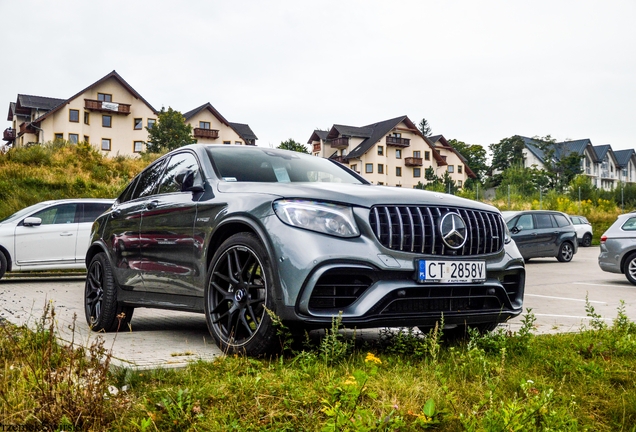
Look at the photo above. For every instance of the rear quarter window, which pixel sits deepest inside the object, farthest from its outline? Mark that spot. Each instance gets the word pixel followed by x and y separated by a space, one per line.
pixel 561 220
pixel 630 224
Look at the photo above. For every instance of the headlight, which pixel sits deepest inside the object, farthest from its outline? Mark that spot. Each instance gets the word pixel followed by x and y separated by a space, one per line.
pixel 507 237
pixel 332 219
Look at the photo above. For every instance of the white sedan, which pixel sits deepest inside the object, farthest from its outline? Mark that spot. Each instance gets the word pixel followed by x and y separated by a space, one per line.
pixel 50 235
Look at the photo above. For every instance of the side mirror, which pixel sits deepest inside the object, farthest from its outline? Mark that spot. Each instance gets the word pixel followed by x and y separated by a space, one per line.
pixel 515 230
pixel 188 181
pixel 32 221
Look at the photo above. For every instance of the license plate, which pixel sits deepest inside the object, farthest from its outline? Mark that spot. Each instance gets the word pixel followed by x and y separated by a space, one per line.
pixel 450 271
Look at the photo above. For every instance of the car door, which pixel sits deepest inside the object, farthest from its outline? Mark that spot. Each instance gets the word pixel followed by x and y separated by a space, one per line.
pixel 122 231
pixel 523 233
pixel 52 241
pixel 167 230
pixel 547 234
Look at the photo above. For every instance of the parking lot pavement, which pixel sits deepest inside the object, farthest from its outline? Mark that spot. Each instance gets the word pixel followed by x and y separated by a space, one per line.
pixel 555 292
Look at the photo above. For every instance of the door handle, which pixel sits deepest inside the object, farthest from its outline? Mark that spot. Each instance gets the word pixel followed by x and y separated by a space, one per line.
pixel 152 204
pixel 66 234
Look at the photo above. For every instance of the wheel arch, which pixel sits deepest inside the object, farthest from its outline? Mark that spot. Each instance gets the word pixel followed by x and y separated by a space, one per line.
pixel 624 259
pixel 7 255
pixel 93 250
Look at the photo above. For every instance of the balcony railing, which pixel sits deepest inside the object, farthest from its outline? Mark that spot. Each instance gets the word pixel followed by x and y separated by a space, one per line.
pixel 607 174
pixel 27 128
pixel 339 143
pixel 316 147
pixel 413 161
pixel 338 159
pixel 205 133
pixel 110 107
pixel 9 134
pixel 397 142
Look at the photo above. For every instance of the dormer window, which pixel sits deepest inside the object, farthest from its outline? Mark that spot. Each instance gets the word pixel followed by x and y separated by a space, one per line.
pixel 104 97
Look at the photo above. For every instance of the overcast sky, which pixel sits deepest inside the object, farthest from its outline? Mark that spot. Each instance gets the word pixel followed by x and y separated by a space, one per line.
pixel 478 71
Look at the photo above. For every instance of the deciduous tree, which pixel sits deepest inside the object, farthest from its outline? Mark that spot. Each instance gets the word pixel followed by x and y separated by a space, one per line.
pixel 170 132
pixel 290 144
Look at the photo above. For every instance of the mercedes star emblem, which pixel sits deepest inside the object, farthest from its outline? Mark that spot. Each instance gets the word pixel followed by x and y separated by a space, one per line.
pixel 453 230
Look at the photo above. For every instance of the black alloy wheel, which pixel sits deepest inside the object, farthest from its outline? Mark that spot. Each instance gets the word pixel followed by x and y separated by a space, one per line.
pixel 587 240
pixel 237 296
pixel 102 311
pixel 566 252
pixel 3 264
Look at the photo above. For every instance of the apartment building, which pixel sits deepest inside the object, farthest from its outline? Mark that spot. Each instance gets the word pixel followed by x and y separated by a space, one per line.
pixel 112 116
pixel 391 152
pixel 605 167
pixel 210 127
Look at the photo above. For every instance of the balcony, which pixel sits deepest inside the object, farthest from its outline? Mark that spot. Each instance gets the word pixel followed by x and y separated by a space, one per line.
pixel 205 133
pixel 397 142
pixel 413 161
pixel 338 159
pixel 316 147
pixel 27 128
pixel 9 134
pixel 109 107
pixel 339 143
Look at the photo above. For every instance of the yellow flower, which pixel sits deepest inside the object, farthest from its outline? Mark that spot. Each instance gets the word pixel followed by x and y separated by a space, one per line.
pixel 372 358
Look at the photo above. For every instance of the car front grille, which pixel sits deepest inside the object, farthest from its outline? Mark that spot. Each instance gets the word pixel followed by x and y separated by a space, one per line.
pixel 338 289
pixel 416 229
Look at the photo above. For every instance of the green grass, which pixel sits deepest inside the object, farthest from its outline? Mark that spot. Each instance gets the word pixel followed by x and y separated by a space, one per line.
pixel 403 381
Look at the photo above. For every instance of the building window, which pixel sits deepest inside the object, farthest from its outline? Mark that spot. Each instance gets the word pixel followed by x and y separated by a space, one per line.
pixel 106 144
pixel 380 169
pixel 151 123
pixel 451 169
pixel 73 138
pixel 427 155
pixel 354 167
pixel 87 117
pixel 227 142
pixel 396 135
pixel 417 154
pixel 105 97
pixel 204 125
pixel 459 183
pixel 238 142
pixel 73 115
pixel 58 137
pixel 368 168
pixel 444 157
pixel 380 150
pixel 398 154
pixel 107 121
pixel 459 169
pixel 138 146
pixel 380 183
pixel 398 185
pixel 398 171
pixel 86 139
pixel 139 124
pixel 417 172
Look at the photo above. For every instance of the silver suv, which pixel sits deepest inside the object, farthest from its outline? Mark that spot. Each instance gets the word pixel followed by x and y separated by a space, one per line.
pixel 618 247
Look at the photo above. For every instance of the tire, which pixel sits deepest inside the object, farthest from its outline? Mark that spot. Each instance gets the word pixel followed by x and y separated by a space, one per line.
pixel 630 268
pixel 587 240
pixel 239 289
pixel 566 252
pixel 103 312
pixel 3 264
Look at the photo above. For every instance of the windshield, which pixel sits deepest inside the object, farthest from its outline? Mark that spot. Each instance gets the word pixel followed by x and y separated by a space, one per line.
pixel 264 165
pixel 25 211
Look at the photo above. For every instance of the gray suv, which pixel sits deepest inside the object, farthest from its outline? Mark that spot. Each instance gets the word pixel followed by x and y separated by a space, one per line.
pixel 618 247
pixel 542 233
pixel 239 233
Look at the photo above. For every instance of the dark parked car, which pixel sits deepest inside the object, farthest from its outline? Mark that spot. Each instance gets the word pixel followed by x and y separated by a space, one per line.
pixel 239 232
pixel 618 247
pixel 542 233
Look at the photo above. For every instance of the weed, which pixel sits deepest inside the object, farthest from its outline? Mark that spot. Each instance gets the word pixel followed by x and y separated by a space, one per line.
pixel 596 320
pixel 334 347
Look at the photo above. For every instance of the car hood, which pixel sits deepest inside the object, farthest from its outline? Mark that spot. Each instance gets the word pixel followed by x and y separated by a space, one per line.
pixel 358 195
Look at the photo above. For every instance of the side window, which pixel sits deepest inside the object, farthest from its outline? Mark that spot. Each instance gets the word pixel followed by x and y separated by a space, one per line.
pixel 525 221
pixel 60 214
pixel 544 221
pixel 630 224
pixel 148 180
pixel 177 164
pixel 561 220
pixel 92 210
pixel 126 195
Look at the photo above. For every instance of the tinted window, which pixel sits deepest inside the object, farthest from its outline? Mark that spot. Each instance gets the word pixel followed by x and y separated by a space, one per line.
pixel 148 180
pixel 543 221
pixel 271 166
pixel 178 163
pixel 630 224
pixel 127 194
pixel 561 220
pixel 59 214
pixel 92 210
pixel 525 222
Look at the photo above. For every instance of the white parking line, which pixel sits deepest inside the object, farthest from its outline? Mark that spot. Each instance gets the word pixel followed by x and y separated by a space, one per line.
pixel 564 298
pixel 572 316
pixel 602 285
